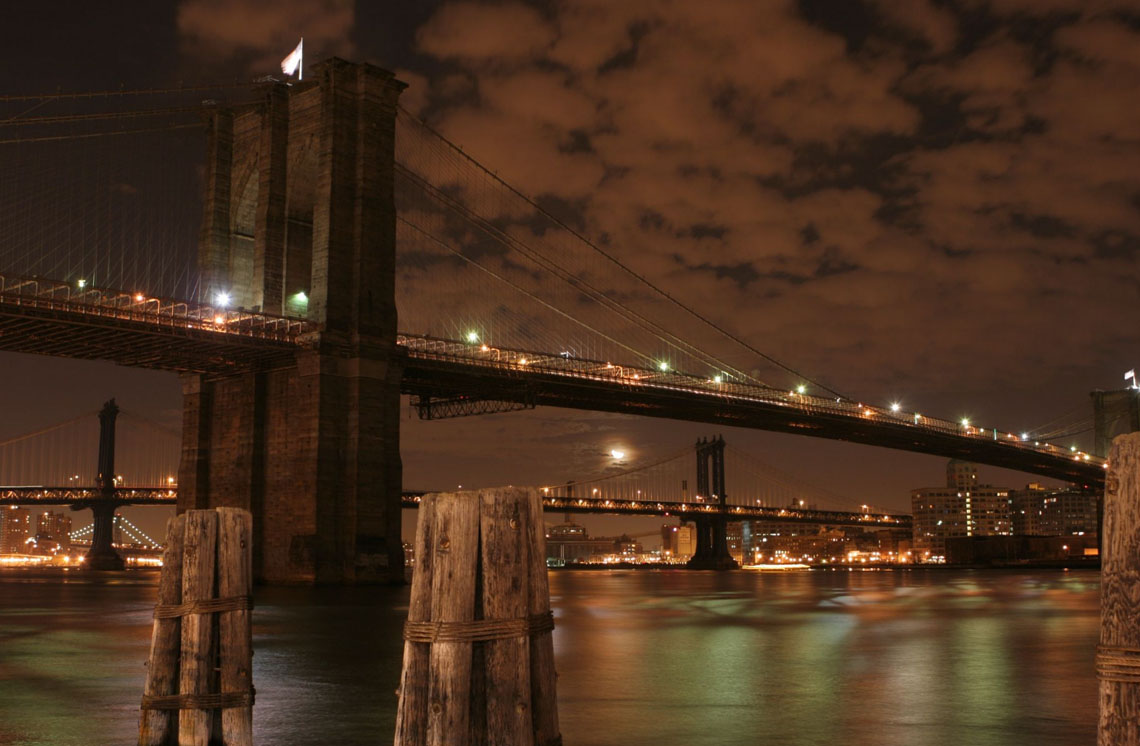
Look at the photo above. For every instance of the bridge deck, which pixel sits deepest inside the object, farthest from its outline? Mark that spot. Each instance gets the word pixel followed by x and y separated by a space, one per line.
pixel 79 498
pixel 446 369
pixel 53 318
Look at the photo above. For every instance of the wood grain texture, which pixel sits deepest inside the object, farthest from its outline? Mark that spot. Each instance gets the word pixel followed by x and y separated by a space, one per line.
pixel 197 662
pixel 235 647
pixel 157 727
pixel 1120 590
pixel 543 696
pixel 456 549
pixel 504 519
pixel 412 712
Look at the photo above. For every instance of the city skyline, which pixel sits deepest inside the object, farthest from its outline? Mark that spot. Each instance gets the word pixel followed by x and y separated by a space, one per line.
pixel 885 245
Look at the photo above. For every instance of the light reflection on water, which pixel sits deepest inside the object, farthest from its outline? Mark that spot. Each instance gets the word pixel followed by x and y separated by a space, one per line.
pixel 876 658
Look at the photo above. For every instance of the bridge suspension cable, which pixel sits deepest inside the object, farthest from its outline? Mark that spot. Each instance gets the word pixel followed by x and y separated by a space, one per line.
pixel 443 244
pixel 120 92
pixel 614 261
pixel 65 455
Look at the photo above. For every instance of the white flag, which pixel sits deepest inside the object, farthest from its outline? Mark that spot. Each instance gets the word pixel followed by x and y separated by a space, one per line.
pixel 1130 374
pixel 293 63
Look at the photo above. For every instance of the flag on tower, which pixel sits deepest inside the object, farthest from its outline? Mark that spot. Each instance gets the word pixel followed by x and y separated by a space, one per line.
pixel 294 62
pixel 1131 375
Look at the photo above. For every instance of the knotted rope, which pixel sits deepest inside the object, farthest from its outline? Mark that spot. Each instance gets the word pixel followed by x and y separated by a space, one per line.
pixel 1118 664
pixel 207 606
pixel 479 630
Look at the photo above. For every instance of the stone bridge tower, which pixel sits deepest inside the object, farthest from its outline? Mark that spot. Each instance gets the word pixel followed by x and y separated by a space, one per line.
pixel 712 530
pixel 299 220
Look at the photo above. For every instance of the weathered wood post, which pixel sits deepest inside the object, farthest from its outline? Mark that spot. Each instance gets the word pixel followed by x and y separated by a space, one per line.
pixel 200 664
pixel 165 642
pixel 1118 655
pixel 479 656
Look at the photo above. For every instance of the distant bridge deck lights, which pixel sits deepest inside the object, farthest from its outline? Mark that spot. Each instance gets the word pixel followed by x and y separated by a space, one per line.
pixel 895 406
pixel 801 389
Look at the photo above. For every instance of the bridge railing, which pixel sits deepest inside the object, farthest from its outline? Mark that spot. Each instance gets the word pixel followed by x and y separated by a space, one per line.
pixel 523 361
pixel 42 495
pixel 557 503
pixel 120 305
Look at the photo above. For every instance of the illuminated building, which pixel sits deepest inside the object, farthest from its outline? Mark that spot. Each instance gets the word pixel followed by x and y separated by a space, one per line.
pixel 53 530
pixel 568 543
pixel 960 509
pixel 811 546
pixel 1047 511
pixel 734 536
pixel 15 530
pixel 678 542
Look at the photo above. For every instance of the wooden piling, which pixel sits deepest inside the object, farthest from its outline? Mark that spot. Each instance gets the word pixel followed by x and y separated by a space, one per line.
pixel 199 682
pixel 411 729
pixel 503 529
pixel 235 651
pixel 155 726
pixel 452 601
pixel 199 557
pixel 1118 655
pixel 475 620
pixel 544 701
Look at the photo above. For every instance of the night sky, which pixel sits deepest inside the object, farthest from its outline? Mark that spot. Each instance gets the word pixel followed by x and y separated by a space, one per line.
pixel 931 202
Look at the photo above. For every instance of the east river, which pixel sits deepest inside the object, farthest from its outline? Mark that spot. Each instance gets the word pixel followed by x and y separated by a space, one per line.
pixel 891 658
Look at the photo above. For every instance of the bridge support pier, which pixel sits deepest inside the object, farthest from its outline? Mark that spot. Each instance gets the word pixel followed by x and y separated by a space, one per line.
pixel 712 545
pixel 101 555
pixel 712 530
pixel 299 219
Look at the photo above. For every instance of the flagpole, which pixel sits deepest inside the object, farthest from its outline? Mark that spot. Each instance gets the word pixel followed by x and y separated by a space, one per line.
pixel 301 64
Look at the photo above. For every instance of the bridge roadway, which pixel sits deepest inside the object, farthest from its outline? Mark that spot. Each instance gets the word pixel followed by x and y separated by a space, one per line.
pixel 79 498
pixel 56 318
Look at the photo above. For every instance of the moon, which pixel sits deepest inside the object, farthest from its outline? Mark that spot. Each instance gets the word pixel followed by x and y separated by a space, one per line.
pixel 617 454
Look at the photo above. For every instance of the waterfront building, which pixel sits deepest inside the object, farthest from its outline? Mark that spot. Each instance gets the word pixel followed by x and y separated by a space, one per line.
pixel 15 530
pixel 734 535
pixel 567 543
pixel 962 508
pixel 1051 511
pixel 820 545
pixel 53 530
pixel 678 542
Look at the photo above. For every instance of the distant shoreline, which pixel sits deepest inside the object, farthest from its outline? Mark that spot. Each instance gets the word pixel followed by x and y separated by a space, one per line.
pixel 1079 564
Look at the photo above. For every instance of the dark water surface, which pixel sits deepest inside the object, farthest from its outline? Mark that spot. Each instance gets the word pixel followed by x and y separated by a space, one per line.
pixel 921 658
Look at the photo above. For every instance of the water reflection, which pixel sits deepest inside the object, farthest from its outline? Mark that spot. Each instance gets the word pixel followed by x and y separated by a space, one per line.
pixel 882 658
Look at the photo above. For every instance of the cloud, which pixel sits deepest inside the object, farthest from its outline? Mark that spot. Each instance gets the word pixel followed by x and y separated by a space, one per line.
pixel 255 35
pixel 935 26
pixel 939 205
pixel 481 32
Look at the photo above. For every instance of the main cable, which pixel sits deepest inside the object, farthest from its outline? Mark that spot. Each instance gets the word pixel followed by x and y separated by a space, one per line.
pixel 700 317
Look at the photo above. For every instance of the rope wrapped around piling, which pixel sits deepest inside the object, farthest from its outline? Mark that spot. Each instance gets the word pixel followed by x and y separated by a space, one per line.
pixel 222 701
pixel 1118 664
pixel 208 606
pixel 479 630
